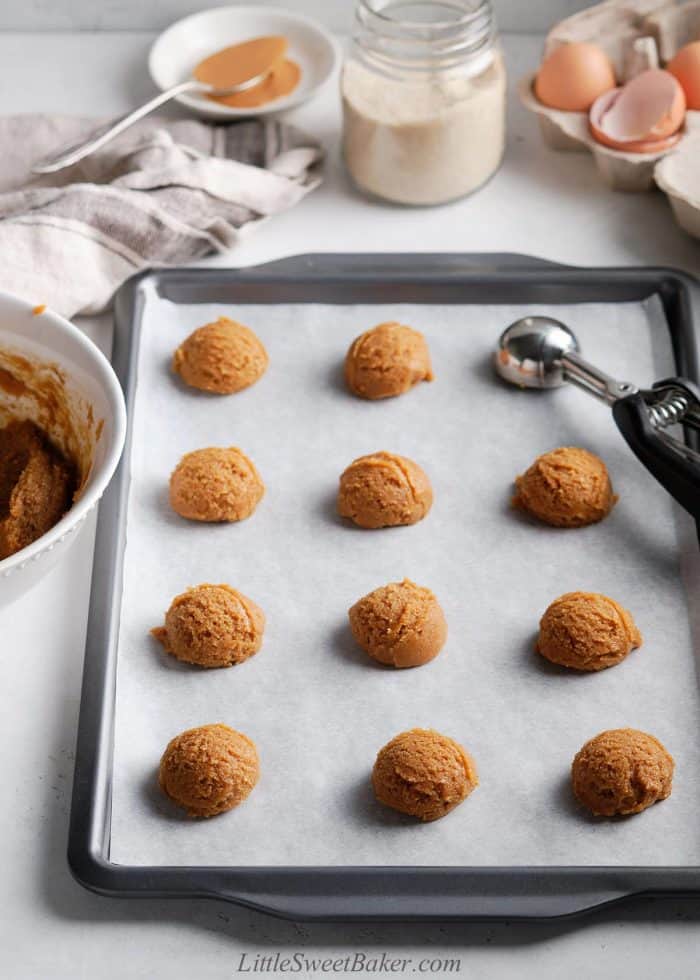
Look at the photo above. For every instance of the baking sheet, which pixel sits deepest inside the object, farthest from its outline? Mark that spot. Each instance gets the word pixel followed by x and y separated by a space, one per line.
pixel 317 708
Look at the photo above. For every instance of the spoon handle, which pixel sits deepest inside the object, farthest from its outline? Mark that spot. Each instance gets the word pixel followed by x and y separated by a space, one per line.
pixel 69 155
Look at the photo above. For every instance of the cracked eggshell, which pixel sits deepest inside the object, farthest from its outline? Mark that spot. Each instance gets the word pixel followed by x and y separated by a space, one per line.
pixel 643 116
pixel 678 176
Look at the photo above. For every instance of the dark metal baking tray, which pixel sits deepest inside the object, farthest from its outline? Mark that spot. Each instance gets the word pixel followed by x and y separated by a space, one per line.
pixel 386 893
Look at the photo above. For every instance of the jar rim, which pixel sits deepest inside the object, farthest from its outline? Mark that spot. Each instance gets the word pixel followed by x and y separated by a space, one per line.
pixel 419 47
pixel 477 9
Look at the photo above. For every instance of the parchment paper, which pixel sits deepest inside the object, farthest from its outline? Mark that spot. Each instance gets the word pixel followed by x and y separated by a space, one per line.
pixel 316 707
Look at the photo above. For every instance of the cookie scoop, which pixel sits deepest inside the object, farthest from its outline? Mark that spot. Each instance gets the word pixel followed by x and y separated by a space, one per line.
pixel 540 352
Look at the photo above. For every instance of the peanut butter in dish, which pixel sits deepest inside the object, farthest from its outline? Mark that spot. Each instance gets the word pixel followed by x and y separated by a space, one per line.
pixel 241 62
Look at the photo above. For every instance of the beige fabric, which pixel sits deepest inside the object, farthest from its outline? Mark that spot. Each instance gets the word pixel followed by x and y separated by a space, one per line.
pixel 164 193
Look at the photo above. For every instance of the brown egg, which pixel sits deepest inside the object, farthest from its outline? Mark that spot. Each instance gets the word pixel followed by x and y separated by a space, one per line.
pixel 685 67
pixel 573 77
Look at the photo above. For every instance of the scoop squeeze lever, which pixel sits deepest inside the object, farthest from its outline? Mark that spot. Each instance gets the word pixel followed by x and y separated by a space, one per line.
pixel 541 352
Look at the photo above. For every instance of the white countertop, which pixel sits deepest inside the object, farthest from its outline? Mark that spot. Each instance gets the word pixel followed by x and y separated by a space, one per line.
pixel 540 203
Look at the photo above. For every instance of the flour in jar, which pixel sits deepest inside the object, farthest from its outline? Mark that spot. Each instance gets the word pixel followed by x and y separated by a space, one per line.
pixel 427 139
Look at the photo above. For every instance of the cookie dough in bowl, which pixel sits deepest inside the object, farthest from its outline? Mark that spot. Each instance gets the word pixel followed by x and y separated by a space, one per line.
pixel 62 430
pixel 215 485
pixel 567 487
pixel 222 357
pixel 384 490
pixel 423 774
pixel 209 770
pixel 387 361
pixel 401 624
pixel 212 626
pixel 587 631
pixel 37 485
pixel 620 772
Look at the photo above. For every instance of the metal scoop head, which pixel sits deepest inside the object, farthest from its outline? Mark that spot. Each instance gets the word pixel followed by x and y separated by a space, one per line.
pixel 529 352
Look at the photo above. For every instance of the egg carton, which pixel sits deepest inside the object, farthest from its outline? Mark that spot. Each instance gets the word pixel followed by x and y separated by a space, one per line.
pixel 678 176
pixel 634 33
pixel 570 132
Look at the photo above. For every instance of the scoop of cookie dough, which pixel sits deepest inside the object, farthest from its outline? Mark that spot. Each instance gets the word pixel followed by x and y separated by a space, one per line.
pixel 587 631
pixel 384 490
pixel 212 626
pixel 215 485
pixel 423 773
pixel 209 770
pixel 621 771
pixel 567 487
pixel 401 624
pixel 221 357
pixel 387 361
pixel 37 485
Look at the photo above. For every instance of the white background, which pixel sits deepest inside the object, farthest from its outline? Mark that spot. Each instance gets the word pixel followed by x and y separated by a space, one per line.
pixel 131 15
pixel 541 203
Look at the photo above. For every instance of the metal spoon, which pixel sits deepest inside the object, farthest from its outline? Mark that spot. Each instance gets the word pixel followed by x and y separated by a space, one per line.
pixel 71 154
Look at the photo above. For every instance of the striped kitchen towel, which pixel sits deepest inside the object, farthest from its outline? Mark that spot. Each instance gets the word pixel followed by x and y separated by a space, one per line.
pixel 165 192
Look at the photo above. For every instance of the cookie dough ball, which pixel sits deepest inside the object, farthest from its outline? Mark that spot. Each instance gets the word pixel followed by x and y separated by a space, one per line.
pixel 621 771
pixel 209 770
pixel 587 631
pixel 212 626
pixel 384 490
pixel 423 773
pixel 387 361
pixel 215 485
pixel 221 357
pixel 401 624
pixel 566 487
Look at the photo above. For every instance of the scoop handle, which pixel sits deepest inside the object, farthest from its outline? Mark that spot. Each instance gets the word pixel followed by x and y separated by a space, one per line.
pixel 675 469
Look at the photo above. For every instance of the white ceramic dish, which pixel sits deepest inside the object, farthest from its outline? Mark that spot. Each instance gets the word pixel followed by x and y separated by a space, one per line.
pixel 177 51
pixel 95 404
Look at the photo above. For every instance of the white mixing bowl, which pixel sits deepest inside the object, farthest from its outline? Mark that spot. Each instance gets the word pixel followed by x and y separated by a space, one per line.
pixel 45 353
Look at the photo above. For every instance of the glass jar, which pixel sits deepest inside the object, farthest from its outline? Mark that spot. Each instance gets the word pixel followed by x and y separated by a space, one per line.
pixel 423 94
